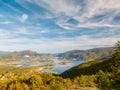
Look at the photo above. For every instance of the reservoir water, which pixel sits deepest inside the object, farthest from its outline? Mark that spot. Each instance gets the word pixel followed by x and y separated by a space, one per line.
pixel 59 68
pixel 63 67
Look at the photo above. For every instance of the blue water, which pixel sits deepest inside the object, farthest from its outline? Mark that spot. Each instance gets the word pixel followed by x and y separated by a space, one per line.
pixel 59 68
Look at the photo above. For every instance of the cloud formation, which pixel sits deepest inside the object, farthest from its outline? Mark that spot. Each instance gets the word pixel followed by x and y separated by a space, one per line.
pixel 86 12
pixel 23 18
pixel 57 26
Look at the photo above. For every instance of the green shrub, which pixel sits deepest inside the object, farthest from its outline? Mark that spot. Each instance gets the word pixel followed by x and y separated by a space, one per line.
pixel 35 81
pixel 104 80
pixel 56 86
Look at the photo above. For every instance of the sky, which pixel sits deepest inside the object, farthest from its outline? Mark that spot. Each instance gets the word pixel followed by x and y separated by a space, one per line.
pixel 53 26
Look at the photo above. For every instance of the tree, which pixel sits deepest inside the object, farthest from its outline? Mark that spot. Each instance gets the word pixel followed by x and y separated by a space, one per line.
pixel 116 55
pixel 35 81
pixel 104 80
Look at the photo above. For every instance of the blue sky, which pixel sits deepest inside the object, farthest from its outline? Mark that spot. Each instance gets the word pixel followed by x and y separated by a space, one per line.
pixel 52 26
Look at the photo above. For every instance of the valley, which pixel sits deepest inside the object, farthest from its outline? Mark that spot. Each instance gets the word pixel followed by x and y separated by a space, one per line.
pixel 29 72
pixel 58 62
pixel 59 44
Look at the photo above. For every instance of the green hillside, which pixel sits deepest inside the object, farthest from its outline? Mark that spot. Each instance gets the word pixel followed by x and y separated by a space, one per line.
pixel 92 67
pixel 106 73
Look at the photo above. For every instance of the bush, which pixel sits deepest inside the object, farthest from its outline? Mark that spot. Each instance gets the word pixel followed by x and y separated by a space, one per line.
pixel 85 80
pixel 35 81
pixel 16 85
pixel 56 87
pixel 104 80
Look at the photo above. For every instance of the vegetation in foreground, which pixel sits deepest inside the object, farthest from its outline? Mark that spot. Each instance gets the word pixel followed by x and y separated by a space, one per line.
pixel 103 74
pixel 30 78
pixel 106 74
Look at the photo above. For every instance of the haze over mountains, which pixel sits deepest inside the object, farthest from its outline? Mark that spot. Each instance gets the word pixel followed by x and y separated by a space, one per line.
pixel 91 54
pixel 24 54
pixel 3 53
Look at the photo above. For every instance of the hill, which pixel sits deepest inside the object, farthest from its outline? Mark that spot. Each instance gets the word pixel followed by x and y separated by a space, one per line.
pixel 3 53
pixel 92 54
pixel 92 67
pixel 106 73
pixel 26 54
pixel 92 75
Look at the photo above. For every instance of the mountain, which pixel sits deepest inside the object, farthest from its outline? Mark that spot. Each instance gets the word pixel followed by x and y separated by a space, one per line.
pixel 92 54
pixel 105 73
pixel 3 53
pixel 92 67
pixel 26 54
pixel 32 54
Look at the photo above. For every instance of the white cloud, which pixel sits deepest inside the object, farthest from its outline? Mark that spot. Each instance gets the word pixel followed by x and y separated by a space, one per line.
pixel 100 6
pixel 68 26
pixel 4 34
pixel 6 22
pixel 30 30
pixel 24 17
pixel 61 44
pixel 22 30
pixel 98 25
pixel 60 6
pixel 109 8
pixel 82 12
pixel 61 11
pixel 44 31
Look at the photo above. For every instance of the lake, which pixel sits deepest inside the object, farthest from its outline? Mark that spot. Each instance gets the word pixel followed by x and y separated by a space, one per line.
pixel 63 67
pixel 59 68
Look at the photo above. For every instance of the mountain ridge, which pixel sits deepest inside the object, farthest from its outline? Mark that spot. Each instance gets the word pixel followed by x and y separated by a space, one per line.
pixel 91 54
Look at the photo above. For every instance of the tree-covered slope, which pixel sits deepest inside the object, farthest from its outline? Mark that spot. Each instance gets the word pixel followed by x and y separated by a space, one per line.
pixel 92 67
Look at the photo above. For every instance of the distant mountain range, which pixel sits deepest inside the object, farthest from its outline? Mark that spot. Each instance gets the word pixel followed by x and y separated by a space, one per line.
pixel 91 54
pixel 3 53
pixel 25 54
